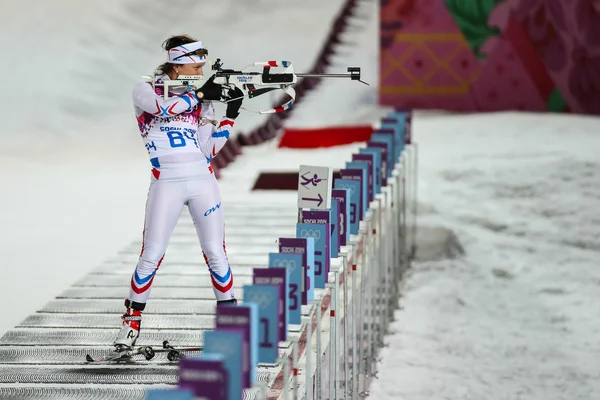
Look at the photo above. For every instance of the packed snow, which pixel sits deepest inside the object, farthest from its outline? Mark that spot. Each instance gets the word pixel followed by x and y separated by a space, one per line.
pixel 517 316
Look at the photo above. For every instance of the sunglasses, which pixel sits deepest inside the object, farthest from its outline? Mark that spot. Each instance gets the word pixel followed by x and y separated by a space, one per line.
pixel 198 53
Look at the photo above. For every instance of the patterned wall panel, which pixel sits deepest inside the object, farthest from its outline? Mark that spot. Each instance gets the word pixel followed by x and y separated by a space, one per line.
pixel 491 55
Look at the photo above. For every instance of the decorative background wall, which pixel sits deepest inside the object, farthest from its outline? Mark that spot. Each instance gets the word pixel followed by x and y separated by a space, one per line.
pixel 491 55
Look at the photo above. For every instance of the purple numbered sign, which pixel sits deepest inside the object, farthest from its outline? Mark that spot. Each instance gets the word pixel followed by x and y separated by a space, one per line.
pixel 206 377
pixel 275 276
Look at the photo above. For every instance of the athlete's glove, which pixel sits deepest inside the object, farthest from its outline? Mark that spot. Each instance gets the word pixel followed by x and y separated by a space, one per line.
pixel 233 107
pixel 211 90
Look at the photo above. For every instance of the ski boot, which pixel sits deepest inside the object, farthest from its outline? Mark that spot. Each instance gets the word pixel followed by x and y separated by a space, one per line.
pixel 132 323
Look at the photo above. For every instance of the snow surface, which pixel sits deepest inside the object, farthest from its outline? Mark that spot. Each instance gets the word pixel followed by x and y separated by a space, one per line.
pixel 516 317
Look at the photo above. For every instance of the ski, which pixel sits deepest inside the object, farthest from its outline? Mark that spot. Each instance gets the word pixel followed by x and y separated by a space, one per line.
pixel 124 355
pixel 173 353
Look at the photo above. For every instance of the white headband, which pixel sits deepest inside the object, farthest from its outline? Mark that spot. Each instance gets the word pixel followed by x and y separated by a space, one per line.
pixel 191 53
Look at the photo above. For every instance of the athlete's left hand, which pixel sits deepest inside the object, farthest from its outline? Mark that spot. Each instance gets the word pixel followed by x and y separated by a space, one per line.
pixel 210 90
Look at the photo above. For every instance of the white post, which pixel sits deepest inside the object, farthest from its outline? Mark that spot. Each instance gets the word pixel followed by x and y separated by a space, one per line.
pixel 393 241
pixel 366 305
pixel 382 294
pixel 389 254
pixel 374 280
pixel 286 376
pixel 405 238
pixel 319 372
pixel 415 210
pixel 308 377
pixel 333 355
pixel 369 279
pixel 347 379
pixel 338 316
pixel 355 321
pixel 361 312
pixel 295 369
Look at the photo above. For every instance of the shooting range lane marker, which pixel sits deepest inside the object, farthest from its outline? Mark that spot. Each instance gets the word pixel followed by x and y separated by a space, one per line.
pixel 314 187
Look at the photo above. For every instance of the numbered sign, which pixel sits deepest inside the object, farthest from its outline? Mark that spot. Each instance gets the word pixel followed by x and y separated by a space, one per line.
pixel 388 140
pixel 318 232
pixel 335 227
pixel 353 188
pixel 279 277
pixel 376 152
pixel 407 114
pixel 321 217
pixel 343 198
pixel 245 318
pixel 305 247
pixel 398 124
pixel 368 158
pixel 292 262
pixel 266 297
pixel 358 174
pixel 230 344
pixel 205 376
pixel 385 166
pixel 387 134
pixel 353 165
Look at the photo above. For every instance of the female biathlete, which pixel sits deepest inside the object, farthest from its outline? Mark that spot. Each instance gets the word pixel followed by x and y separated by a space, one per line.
pixel 180 144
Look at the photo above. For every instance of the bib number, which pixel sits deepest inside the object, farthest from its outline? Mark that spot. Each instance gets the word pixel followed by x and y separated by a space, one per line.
pixel 178 138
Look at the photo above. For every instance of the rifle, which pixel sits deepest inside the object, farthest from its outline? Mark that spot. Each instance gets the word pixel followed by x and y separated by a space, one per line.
pixel 254 83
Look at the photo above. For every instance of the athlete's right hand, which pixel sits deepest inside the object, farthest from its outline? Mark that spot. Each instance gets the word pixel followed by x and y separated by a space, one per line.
pixel 210 90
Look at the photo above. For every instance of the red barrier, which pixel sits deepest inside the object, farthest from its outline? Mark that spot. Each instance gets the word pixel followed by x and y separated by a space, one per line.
pixel 324 137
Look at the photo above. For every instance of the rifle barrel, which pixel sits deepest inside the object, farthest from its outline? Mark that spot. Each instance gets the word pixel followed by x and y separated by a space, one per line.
pixel 325 75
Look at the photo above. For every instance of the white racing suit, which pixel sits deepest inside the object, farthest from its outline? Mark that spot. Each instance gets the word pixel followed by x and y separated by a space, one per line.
pixel 180 148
